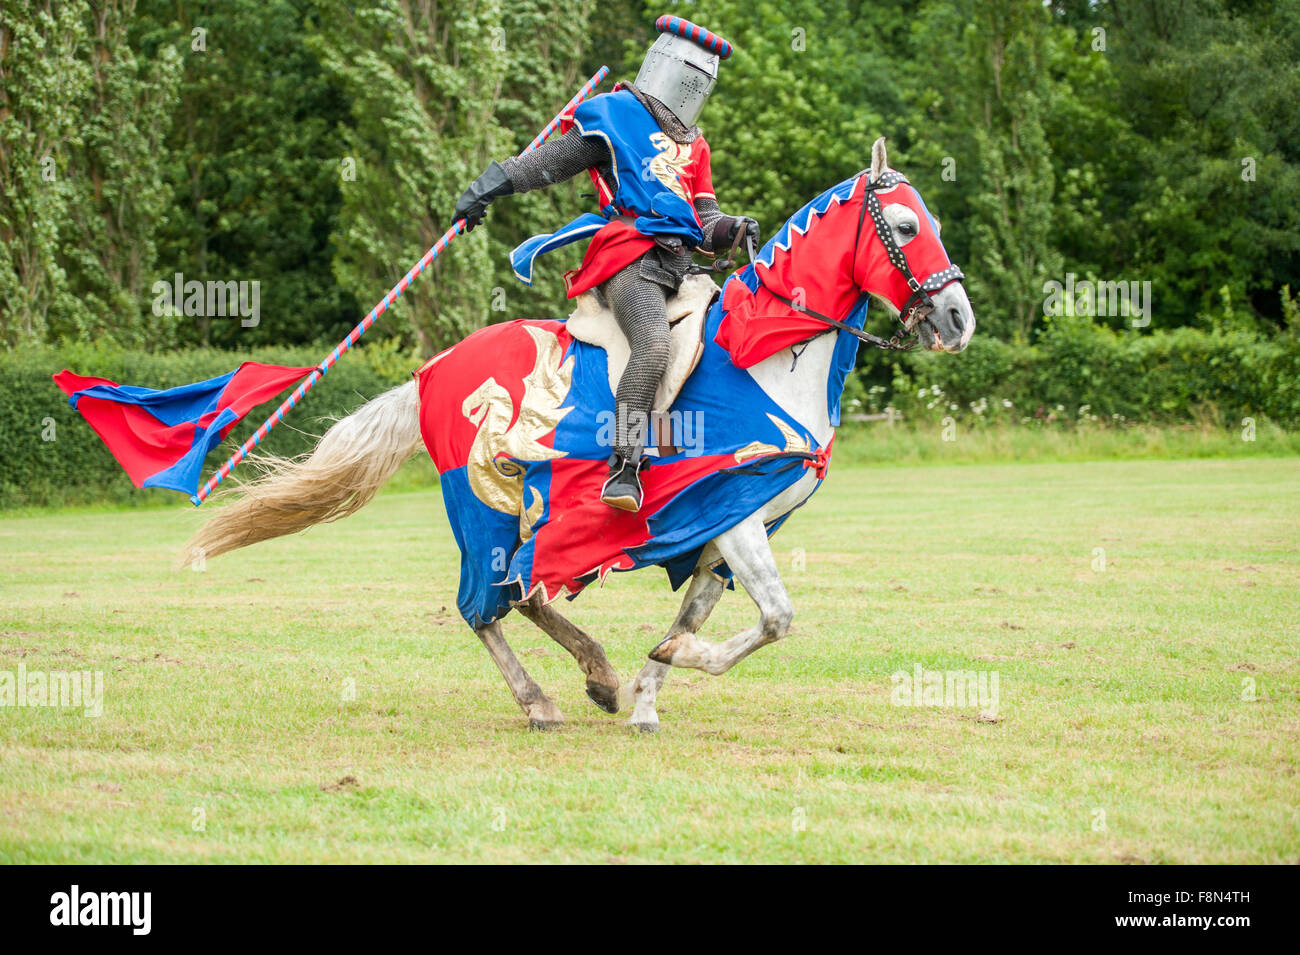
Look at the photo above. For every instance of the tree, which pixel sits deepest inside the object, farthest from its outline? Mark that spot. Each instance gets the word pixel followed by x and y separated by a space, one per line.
pixel 1209 89
pixel 42 81
pixel 991 128
pixel 545 42
pixel 423 80
pixel 81 122
pixel 254 164
pixel 115 173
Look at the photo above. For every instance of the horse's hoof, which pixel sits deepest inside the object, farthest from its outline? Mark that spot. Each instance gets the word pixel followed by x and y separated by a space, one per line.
pixel 544 715
pixel 645 727
pixel 603 696
pixel 686 650
pixel 663 653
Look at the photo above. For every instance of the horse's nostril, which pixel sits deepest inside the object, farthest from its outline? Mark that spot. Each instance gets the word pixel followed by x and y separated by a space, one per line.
pixel 955 315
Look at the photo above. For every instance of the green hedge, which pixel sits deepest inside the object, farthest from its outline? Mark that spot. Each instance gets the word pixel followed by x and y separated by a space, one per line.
pixel 75 466
pixel 1117 377
pixel 1074 373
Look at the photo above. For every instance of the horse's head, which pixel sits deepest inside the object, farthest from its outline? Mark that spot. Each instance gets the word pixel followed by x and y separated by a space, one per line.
pixel 905 264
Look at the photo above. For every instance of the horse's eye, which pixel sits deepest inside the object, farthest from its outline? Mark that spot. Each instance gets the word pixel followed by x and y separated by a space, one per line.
pixel 907 228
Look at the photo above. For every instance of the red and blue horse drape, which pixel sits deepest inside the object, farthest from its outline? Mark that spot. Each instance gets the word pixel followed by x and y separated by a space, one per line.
pixel 513 418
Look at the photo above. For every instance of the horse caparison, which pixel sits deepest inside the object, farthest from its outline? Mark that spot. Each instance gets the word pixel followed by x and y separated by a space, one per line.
pixel 362 451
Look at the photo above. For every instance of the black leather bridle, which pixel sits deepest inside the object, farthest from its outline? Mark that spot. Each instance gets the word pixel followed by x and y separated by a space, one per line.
pixel 919 304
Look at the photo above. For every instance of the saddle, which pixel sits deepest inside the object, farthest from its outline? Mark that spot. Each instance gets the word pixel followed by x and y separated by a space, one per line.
pixel 594 323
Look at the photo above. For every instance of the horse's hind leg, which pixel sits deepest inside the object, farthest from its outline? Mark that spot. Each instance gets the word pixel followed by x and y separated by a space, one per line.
pixel 541 712
pixel 701 597
pixel 747 552
pixel 602 681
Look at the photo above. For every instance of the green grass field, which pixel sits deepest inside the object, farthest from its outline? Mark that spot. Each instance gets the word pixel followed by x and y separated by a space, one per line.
pixel 1148 710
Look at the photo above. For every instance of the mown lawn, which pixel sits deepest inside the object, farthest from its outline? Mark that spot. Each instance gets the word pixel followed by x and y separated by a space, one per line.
pixel 1148 710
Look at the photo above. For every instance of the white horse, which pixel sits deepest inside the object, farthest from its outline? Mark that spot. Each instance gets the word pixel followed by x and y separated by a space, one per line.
pixel 893 255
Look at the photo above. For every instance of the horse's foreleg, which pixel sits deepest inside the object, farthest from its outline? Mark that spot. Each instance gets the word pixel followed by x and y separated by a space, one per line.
pixel 747 552
pixel 701 597
pixel 541 712
pixel 602 681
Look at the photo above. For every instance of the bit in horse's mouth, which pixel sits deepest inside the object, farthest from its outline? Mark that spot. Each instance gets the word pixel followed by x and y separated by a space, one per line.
pixel 934 332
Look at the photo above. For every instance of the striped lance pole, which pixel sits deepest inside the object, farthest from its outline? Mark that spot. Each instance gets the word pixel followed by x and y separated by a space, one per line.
pixel 416 271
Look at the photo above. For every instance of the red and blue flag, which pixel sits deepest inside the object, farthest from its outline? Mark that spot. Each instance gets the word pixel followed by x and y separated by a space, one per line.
pixel 161 437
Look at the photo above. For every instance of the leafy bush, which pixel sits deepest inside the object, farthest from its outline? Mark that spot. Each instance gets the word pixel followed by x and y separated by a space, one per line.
pixel 1080 372
pixel 1076 374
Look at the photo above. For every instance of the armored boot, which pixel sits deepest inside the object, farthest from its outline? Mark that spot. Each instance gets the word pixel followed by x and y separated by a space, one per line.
pixel 623 487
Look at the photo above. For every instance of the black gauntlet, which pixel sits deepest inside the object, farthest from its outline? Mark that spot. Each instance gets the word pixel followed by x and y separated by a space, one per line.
pixel 726 228
pixel 748 226
pixel 473 204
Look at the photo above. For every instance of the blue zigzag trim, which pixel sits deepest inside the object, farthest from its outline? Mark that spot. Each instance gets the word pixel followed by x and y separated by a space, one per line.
pixel 801 221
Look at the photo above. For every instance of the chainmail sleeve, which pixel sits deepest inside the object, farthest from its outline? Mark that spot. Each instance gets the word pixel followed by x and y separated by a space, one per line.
pixel 557 160
pixel 715 224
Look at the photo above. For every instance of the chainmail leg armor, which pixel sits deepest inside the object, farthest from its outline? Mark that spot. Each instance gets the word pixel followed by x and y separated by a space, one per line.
pixel 638 306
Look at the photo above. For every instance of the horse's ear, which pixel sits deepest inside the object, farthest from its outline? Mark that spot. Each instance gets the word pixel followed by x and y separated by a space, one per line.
pixel 879 161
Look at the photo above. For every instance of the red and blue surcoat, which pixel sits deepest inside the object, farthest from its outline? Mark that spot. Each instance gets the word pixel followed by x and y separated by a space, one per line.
pixel 656 182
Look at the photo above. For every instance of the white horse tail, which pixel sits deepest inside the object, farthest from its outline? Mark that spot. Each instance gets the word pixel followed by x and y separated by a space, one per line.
pixel 354 459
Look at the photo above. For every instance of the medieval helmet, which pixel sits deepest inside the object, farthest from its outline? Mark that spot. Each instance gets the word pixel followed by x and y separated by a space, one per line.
pixel 681 66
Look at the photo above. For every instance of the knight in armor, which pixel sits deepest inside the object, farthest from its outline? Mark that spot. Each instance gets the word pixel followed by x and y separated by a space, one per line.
pixel 650 165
